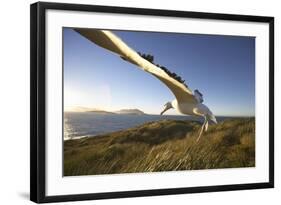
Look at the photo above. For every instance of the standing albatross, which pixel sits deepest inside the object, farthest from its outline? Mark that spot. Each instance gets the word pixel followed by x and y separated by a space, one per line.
pixel 186 101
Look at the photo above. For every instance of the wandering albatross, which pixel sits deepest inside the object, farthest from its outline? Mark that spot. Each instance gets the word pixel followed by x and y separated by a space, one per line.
pixel 186 102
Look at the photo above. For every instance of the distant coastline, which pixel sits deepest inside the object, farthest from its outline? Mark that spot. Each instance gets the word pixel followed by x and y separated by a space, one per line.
pixel 133 111
pixel 101 112
pixel 130 112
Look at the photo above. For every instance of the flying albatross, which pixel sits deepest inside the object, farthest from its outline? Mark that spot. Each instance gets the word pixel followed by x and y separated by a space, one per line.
pixel 186 102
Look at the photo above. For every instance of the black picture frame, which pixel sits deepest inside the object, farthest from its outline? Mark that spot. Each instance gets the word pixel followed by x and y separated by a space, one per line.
pixel 38 101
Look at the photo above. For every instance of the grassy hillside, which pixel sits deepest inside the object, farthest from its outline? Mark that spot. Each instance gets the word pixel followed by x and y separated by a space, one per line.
pixel 163 146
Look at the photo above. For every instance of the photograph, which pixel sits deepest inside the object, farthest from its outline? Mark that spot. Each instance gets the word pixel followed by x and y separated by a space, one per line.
pixel 149 101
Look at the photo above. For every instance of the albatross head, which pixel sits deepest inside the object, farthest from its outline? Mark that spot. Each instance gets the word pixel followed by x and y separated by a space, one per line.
pixel 167 106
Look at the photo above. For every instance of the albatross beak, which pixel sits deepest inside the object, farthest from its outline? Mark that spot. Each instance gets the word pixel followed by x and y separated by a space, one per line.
pixel 167 107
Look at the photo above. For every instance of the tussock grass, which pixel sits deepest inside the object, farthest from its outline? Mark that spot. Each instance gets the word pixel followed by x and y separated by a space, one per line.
pixel 166 145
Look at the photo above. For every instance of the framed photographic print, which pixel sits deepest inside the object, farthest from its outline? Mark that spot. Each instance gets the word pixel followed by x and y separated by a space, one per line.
pixel 129 102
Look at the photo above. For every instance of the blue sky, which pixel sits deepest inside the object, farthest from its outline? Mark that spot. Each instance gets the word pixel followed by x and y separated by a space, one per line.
pixel 221 67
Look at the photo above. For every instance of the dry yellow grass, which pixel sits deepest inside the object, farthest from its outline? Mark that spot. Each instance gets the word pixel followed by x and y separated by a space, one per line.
pixel 165 145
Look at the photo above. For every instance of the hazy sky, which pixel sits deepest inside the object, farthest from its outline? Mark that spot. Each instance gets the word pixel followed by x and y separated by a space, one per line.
pixel 221 67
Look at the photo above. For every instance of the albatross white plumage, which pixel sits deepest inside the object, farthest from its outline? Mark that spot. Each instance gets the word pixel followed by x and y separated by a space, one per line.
pixel 186 101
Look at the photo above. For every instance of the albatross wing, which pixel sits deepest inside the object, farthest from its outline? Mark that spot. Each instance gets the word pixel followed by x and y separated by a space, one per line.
pixel 111 42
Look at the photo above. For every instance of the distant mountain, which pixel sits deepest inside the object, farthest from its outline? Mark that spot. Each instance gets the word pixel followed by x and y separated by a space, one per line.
pixel 130 112
pixel 103 112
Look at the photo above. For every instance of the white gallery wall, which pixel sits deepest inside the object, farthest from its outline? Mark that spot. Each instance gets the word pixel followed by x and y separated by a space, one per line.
pixel 14 100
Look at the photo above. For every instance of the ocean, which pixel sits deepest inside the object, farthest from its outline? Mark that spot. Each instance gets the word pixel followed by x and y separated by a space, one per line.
pixel 87 124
